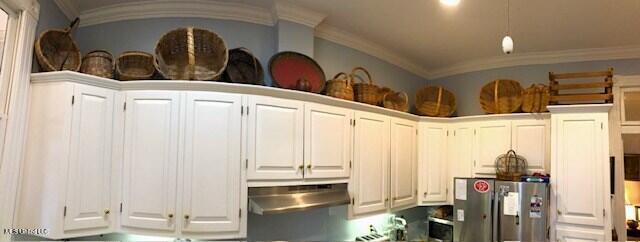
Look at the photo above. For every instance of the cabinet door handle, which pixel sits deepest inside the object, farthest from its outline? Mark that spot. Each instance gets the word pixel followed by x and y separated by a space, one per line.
pixel 186 216
pixel 170 216
pixel 559 212
pixel 301 167
pixel 107 211
pixel 309 166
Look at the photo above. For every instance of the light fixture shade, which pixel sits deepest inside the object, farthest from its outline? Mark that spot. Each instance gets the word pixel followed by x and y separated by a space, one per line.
pixel 450 2
pixel 507 45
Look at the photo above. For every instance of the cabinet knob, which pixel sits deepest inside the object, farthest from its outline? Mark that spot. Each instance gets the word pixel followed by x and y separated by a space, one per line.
pixel 559 212
pixel 301 167
pixel 186 216
pixel 107 211
pixel 170 215
pixel 309 166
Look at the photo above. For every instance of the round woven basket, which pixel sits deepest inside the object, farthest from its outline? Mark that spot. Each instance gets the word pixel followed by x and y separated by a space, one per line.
pixel 340 87
pixel 501 96
pixel 98 63
pixel 364 92
pixel 191 54
pixel 381 92
pixel 396 100
pixel 535 99
pixel 57 51
pixel 435 102
pixel 135 65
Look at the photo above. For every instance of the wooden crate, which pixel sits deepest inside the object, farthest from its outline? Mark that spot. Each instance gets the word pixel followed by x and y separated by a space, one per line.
pixel 568 98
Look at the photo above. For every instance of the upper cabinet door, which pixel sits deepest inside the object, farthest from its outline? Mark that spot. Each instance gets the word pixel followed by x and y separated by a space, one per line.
pixel 433 163
pixel 275 139
pixel 630 106
pixel 150 159
pixel 492 139
pixel 369 181
pixel 531 140
pixel 89 172
pixel 212 163
pixel 403 163
pixel 327 134
pixel 580 167
pixel 460 154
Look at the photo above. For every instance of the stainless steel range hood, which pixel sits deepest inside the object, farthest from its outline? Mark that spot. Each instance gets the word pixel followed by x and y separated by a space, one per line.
pixel 273 200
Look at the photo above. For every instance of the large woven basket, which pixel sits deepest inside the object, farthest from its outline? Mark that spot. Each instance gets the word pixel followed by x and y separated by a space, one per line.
pixel 364 92
pixel 535 99
pixel 243 67
pixel 98 63
pixel 396 100
pixel 381 92
pixel 435 102
pixel 191 54
pixel 135 65
pixel 56 50
pixel 501 96
pixel 340 87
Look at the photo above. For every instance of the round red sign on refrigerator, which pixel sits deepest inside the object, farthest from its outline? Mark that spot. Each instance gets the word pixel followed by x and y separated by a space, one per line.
pixel 481 186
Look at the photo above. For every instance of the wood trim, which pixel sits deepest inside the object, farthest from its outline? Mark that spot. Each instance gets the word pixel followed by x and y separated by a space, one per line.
pixel 69 8
pixel 581 97
pixel 297 14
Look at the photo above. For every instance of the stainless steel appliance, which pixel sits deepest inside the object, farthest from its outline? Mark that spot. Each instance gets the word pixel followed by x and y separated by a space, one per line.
pixel 439 230
pixel 492 210
pixel 274 200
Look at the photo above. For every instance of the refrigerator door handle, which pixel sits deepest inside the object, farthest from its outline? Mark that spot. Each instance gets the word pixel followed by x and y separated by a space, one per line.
pixel 496 217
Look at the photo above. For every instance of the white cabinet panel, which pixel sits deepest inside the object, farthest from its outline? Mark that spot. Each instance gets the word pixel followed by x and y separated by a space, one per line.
pixel 492 139
pixel 433 169
pixel 581 165
pixel 328 139
pixel 579 235
pixel 275 139
pixel 369 181
pixel 531 140
pixel 150 159
pixel 460 154
pixel 89 172
pixel 211 176
pixel 403 163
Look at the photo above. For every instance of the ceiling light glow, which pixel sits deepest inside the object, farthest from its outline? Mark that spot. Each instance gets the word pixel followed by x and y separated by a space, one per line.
pixel 450 2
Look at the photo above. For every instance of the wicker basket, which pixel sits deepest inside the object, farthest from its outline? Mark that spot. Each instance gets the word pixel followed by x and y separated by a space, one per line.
pixel 510 166
pixel 340 87
pixel 435 102
pixel 98 63
pixel 191 54
pixel 381 92
pixel 535 99
pixel 501 96
pixel 243 67
pixel 56 50
pixel 364 92
pixel 396 100
pixel 135 65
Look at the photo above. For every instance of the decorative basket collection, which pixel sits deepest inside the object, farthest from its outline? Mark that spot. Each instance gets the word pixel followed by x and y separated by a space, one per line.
pixel 501 96
pixel 435 101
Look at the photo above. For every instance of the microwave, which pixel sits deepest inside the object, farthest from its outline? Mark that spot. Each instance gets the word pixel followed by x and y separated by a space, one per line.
pixel 439 230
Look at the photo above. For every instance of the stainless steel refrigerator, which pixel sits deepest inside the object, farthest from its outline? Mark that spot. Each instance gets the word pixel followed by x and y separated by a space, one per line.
pixel 492 210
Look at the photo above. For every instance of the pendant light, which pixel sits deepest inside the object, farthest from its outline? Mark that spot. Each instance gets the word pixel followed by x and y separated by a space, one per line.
pixel 507 42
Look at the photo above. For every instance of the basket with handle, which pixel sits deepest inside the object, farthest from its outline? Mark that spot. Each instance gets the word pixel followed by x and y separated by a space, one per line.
pixel 364 92
pixel 510 166
pixel 381 92
pixel 396 100
pixel 340 87
pixel 98 63
pixel 191 54
pixel 435 102
pixel 56 50
pixel 501 96
pixel 535 99
pixel 135 65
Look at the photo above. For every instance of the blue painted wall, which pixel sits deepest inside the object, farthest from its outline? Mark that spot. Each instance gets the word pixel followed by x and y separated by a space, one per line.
pixel 466 87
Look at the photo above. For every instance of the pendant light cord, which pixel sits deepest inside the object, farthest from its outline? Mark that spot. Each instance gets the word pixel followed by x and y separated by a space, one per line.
pixel 508 17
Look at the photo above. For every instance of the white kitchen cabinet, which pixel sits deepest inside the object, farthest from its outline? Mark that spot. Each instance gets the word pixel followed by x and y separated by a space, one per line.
pixel 531 139
pixel 579 235
pixel 492 139
pixel 66 186
pixel 89 175
pixel 211 177
pixel 152 121
pixel 328 139
pixel 275 139
pixel 369 180
pixel 460 154
pixel 581 168
pixel 404 164
pixel 433 164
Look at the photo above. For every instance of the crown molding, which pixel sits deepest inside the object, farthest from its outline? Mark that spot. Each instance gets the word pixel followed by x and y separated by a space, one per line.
pixel 342 37
pixel 287 10
pixel 539 58
pixel 68 8
pixel 176 8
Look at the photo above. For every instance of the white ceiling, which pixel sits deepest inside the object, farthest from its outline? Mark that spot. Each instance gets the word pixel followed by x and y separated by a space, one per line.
pixel 437 40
